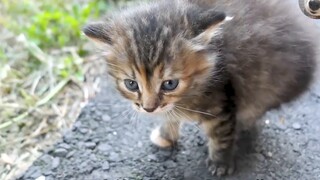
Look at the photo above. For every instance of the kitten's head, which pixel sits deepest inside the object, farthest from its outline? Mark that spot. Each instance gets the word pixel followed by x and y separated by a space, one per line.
pixel 159 54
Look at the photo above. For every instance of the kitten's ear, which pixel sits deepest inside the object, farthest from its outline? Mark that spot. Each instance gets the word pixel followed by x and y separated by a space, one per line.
pixel 98 32
pixel 207 26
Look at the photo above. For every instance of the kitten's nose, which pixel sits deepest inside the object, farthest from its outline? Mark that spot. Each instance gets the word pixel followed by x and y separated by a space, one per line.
pixel 150 109
pixel 314 5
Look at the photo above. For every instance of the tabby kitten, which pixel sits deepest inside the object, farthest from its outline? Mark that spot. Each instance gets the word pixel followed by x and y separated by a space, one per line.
pixel 223 63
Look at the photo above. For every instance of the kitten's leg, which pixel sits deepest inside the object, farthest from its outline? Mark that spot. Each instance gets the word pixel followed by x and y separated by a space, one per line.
pixel 221 134
pixel 166 135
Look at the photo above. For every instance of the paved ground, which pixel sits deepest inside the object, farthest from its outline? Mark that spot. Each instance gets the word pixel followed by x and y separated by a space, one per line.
pixel 105 144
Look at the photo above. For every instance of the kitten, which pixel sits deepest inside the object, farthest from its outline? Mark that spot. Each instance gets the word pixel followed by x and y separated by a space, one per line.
pixel 223 63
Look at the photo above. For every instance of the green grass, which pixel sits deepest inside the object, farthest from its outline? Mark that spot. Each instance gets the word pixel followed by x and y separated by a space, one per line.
pixel 44 61
pixel 51 24
pixel 48 34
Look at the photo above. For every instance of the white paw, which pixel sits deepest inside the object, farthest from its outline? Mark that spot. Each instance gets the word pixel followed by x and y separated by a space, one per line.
pixel 158 140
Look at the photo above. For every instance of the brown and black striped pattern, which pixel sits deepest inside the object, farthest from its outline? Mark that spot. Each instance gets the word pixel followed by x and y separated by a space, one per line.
pixel 234 60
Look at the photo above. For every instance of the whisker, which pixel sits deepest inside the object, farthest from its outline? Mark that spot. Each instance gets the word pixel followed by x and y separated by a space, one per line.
pixel 170 124
pixel 182 114
pixel 196 111
pixel 197 126
pixel 125 114
pixel 187 117
pixel 178 117
pixel 129 116
pixel 135 119
pixel 114 65
pixel 116 70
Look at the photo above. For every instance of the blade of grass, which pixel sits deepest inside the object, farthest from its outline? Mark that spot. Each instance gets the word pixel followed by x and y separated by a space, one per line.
pixel 33 48
pixel 43 101
pixel 14 120
pixel 53 92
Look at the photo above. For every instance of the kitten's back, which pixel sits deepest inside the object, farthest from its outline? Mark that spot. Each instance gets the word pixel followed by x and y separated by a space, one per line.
pixel 270 51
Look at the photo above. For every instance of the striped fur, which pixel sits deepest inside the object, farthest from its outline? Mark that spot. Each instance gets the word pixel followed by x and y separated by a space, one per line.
pixel 234 61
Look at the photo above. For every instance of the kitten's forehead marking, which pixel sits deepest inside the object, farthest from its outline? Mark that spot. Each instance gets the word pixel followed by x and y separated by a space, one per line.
pixel 150 82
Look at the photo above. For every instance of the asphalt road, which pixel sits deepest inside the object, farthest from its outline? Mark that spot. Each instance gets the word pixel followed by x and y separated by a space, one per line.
pixel 107 142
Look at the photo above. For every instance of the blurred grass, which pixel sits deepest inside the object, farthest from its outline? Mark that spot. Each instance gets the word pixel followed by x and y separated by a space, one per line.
pixel 46 74
pixel 41 28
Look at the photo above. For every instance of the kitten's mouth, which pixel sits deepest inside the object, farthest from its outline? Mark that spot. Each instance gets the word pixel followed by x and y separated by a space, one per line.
pixel 158 110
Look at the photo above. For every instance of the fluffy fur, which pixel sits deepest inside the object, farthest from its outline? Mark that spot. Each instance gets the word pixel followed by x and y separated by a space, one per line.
pixel 233 61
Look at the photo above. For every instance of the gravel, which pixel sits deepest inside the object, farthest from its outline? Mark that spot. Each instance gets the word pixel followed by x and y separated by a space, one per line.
pixel 60 152
pixel 90 145
pixel 55 163
pixel 106 117
pixel 296 126
pixel 119 149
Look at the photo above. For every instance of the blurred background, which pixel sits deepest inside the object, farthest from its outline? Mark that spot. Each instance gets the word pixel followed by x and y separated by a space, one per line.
pixel 46 74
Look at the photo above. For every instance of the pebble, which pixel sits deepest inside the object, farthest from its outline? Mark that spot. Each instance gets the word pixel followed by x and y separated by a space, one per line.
pixel 114 157
pixel 93 108
pixel 106 117
pixel 269 154
pixel 70 154
pixel 258 156
pixel 83 130
pixel 47 173
pixel 41 178
pixel 166 153
pixel 85 167
pixel 296 126
pixel 90 145
pixel 47 159
pixel 64 146
pixel 200 141
pixel 139 144
pixel 280 126
pixel 55 163
pixel 98 174
pixel 33 173
pixel 98 114
pixel 296 148
pixel 267 121
pixel 104 147
pixel 77 124
pixel 188 175
pixel 93 157
pixel 60 152
pixel 68 137
pixel 170 164
pixel 152 158
pixel 106 165
pixel 93 124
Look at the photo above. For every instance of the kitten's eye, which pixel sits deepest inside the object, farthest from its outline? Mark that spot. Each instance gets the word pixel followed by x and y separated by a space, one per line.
pixel 131 85
pixel 169 85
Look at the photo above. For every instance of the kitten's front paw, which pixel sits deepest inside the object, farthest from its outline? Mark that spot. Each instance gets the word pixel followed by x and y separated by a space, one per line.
pixel 220 168
pixel 158 140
